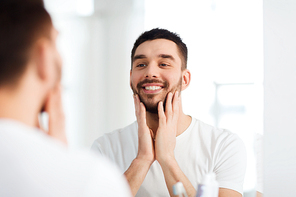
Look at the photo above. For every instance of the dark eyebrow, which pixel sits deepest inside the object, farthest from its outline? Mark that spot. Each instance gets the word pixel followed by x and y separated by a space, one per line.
pixel 136 57
pixel 165 56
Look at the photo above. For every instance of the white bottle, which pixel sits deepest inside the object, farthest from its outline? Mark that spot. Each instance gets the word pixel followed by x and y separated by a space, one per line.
pixel 178 189
pixel 209 187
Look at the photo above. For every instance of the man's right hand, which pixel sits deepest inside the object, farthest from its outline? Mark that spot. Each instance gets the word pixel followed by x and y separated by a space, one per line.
pixel 56 122
pixel 140 166
pixel 145 135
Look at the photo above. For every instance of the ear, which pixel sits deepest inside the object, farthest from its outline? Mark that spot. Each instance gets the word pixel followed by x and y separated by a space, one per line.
pixel 41 58
pixel 186 77
pixel 131 79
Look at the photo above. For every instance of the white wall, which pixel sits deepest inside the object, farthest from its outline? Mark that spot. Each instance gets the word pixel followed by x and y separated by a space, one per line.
pixel 96 65
pixel 280 94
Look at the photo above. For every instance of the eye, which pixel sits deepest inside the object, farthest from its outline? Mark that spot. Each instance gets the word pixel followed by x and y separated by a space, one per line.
pixel 163 65
pixel 141 65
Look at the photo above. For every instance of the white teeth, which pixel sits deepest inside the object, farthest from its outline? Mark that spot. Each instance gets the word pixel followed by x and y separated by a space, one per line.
pixel 152 87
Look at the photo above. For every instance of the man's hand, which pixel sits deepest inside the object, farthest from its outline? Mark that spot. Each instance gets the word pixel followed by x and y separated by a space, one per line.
pixel 145 143
pixel 165 143
pixel 165 140
pixel 139 167
pixel 54 109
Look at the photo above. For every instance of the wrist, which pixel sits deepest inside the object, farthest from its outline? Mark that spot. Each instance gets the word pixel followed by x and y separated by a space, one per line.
pixel 143 160
pixel 167 161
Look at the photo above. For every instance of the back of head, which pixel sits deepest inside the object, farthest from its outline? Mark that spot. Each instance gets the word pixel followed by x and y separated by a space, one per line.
pixel 24 2
pixel 22 23
pixel 157 33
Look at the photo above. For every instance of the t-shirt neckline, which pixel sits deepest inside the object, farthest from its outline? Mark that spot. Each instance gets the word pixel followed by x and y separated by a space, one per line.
pixel 187 131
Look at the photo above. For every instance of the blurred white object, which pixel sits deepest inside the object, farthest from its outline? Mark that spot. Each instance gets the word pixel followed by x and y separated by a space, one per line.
pixel 178 189
pixel 209 187
pixel 85 7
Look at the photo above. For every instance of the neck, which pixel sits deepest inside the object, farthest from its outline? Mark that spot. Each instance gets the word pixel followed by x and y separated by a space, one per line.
pixel 183 121
pixel 21 103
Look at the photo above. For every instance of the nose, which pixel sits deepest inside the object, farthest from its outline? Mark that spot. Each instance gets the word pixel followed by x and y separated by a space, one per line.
pixel 152 71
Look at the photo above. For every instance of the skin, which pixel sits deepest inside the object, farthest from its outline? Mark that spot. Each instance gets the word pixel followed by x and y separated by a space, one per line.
pixel 159 60
pixel 37 89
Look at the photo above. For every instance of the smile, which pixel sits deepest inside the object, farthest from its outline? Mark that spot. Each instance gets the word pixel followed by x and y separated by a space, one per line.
pixel 152 87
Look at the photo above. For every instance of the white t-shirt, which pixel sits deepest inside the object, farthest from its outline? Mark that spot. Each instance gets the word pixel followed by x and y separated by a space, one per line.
pixel 200 149
pixel 33 165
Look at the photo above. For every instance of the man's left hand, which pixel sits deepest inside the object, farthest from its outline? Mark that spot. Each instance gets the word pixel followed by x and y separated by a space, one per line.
pixel 165 139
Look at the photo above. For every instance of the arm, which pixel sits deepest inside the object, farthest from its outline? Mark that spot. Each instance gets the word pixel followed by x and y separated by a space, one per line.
pixel 165 143
pixel 136 174
pixel 223 192
pixel 139 167
pixel 174 174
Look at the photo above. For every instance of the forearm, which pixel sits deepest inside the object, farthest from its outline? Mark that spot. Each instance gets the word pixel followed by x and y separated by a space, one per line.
pixel 259 194
pixel 174 174
pixel 224 192
pixel 136 174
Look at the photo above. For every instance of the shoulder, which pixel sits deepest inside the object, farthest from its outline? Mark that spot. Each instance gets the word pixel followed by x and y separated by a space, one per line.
pixel 117 139
pixel 228 155
pixel 221 142
pixel 219 135
pixel 128 130
pixel 119 134
pixel 120 146
pixel 53 166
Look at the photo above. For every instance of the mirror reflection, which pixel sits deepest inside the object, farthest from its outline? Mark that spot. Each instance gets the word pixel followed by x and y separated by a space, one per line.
pixel 225 58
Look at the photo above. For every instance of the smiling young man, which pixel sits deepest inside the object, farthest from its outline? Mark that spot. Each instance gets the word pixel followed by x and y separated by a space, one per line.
pixel 165 145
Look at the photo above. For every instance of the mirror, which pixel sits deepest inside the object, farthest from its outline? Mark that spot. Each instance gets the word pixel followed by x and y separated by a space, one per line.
pixel 225 44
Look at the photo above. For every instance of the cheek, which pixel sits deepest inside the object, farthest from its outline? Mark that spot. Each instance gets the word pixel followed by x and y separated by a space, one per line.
pixel 134 80
pixel 133 83
pixel 173 80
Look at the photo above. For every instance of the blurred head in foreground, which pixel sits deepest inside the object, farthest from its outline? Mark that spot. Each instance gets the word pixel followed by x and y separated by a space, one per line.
pixel 30 65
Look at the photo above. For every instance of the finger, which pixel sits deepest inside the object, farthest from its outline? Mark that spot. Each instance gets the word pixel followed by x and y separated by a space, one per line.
pixel 54 98
pixel 47 102
pixel 176 106
pixel 152 134
pixel 161 114
pixel 137 105
pixel 168 104
pixel 176 102
pixel 142 113
pixel 39 123
pixel 54 109
pixel 57 97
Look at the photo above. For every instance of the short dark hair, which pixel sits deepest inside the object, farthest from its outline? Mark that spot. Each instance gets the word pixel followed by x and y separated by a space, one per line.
pixel 158 33
pixel 22 23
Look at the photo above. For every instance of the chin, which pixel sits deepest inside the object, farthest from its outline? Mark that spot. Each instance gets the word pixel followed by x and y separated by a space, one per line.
pixel 153 107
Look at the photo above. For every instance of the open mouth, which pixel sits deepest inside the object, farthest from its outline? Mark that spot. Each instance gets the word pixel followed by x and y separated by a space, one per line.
pixel 152 88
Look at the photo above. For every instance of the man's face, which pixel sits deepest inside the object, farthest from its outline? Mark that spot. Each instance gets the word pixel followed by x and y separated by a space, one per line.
pixel 156 71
